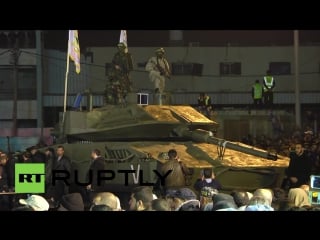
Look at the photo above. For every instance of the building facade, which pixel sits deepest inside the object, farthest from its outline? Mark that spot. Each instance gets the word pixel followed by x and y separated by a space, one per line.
pixel 32 79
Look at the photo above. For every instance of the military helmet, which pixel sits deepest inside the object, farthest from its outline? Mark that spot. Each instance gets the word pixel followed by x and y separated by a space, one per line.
pixel 160 50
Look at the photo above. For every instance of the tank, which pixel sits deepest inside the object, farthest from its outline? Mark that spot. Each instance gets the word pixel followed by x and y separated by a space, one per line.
pixel 138 137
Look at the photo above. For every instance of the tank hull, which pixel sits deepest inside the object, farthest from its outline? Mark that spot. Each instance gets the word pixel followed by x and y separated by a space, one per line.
pixel 236 170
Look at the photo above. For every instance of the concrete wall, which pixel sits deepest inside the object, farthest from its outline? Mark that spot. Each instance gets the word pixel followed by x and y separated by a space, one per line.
pixel 254 61
pixel 25 109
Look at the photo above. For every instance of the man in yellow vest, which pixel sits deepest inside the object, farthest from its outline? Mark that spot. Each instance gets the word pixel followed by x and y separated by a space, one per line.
pixel 204 104
pixel 269 84
pixel 257 93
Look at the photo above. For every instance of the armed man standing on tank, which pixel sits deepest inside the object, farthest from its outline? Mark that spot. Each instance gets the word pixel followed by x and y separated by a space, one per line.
pixel 119 84
pixel 159 69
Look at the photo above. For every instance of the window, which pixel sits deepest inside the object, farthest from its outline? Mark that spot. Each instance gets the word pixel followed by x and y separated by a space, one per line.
pixel 280 68
pixel 21 123
pixel 27 83
pixel 6 83
pixel 194 69
pixel 26 123
pixel 230 68
pixel 89 57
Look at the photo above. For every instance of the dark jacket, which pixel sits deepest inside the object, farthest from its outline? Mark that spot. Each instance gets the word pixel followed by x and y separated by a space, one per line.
pixel 3 179
pixel 63 164
pixel 39 157
pixel 300 167
pixel 10 170
pixel 96 165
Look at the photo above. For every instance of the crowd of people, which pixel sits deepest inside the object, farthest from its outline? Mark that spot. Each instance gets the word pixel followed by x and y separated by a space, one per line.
pixel 180 199
pixel 176 193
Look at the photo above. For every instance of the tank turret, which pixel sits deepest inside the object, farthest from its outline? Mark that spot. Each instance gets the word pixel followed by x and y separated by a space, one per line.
pixel 151 122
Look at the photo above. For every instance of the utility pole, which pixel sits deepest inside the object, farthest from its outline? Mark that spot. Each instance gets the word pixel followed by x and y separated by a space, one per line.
pixel 14 60
pixel 39 49
pixel 296 77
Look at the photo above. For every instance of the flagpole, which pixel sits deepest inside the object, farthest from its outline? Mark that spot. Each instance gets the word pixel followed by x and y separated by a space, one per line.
pixel 66 84
pixel 66 80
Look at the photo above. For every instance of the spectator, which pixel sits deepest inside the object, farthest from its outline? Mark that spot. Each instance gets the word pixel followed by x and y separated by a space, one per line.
pixel 299 169
pixel 180 172
pixel 298 197
pixel 160 204
pixel 61 163
pixel 204 104
pixel 36 202
pixel 257 93
pixel 269 84
pixel 107 199
pixel 71 202
pixel 141 199
pixel 207 179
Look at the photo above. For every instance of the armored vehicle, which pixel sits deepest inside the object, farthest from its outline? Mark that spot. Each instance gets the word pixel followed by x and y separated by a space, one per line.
pixel 138 137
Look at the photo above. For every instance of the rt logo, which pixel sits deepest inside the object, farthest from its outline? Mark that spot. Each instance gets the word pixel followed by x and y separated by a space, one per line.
pixel 29 178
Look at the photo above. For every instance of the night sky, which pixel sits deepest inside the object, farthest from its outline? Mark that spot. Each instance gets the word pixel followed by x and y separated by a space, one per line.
pixel 57 39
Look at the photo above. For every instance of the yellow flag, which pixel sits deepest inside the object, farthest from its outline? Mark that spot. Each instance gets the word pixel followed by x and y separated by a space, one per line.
pixel 74 48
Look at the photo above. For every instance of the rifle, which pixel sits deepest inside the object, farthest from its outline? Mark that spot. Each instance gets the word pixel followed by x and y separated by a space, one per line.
pixel 162 71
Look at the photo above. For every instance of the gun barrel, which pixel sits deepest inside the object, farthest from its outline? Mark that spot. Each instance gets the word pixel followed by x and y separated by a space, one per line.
pixel 200 135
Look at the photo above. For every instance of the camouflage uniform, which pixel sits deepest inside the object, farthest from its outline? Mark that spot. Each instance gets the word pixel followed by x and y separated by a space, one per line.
pixel 119 84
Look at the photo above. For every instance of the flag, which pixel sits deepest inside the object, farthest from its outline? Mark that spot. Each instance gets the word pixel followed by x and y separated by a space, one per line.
pixel 123 37
pixel 74 48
